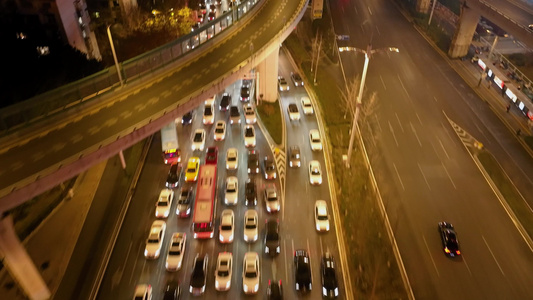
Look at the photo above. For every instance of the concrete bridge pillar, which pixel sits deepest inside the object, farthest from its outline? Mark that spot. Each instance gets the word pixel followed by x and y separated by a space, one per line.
pixel 422 6
pixel 465 31
pixel 267 77
pixel 19 263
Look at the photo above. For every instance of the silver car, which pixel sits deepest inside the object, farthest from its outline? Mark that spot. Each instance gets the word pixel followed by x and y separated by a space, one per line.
pixel 272 202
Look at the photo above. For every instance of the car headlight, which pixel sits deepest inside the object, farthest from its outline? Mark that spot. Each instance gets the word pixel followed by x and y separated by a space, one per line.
pixel 267 250
pixel 230 237
pixel 227 284
pixel 290 163
pixel 255 237
pixel 278 249
pixel 166 213
pixel 268 208
pixel 317 227
pixel 156 254
pixel 257 170
pixel 297 286
pixel 188 210
pixel 256 287
pixel 245 288
pixel 145 252
pixel 336 291
pixel 324 291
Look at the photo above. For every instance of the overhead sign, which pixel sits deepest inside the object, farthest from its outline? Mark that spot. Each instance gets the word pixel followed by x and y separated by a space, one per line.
pixel 343 37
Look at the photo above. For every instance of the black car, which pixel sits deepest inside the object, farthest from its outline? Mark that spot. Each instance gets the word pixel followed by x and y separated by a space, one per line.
pixel 199 275
pixel 225 102
pixel 272 244
pixel 296 79
pixel 183 208
pixel 330 286
pixel 302 271
pixel 187 118
pixel 253 162
pixel 245 93
pixel 173 176
pixel 234 115
pixel 449 239
pixel 274 290
pixel 250 192
pixel 172 291
pixel 211 16
pixel 269 168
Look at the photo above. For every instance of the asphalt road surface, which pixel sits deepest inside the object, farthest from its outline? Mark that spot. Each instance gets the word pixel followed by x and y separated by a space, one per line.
pixel 425 173
pixel 129 267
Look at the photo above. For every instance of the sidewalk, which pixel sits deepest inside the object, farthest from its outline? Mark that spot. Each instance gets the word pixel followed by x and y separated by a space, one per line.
pixel 62 227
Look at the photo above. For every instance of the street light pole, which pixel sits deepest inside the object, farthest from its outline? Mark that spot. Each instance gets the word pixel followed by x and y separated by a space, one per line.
pixel 368 53
pixel 114 55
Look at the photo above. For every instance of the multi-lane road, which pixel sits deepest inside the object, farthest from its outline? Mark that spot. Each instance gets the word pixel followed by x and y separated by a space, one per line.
pixel 425 173
pixel 129 267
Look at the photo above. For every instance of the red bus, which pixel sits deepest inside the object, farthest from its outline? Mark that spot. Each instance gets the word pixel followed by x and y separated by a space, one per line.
pixel 203 221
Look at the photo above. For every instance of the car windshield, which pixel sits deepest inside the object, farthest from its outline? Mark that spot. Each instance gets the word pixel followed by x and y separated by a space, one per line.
pixel 231 190
pixel 219 130
pixel 251 274
pixel 322 217
pixel 223 273
pixel 162 203
pixel 174 252
pixel 249 132
pixel 198 137
pixel 251 224
pixel 270 166
pixel 183 201
pixel 153 241
pixel 315 140
pixel 232 158
pixel 226 227
pixel 191 170
pixel 315 172
pixel 272 198
pixel 293 108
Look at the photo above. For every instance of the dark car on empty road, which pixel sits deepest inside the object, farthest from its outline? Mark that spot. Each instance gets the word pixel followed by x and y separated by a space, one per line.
pixel 449 240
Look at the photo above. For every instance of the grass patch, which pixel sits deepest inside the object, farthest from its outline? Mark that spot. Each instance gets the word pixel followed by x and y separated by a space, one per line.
pixel 270 115
pixel 508 190
pixel 371 263
pixel 28 216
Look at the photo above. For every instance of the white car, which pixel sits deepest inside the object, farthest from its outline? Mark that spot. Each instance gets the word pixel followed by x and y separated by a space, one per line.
pixel 250 273
pixel 232 190
pixel 176 251
pixel 198 140
pixel 162 207
pixel 282 83
pixel 307 107
pixel 250 225
pixel 209 113
pixel 249 114
pixel 249 136
pixel 226 228
pixel 143 292
pixel 272 202
pixel 223 271
pixel 220 130
pixel 232 159
pixel 315 173
pixel 314 139
pixel 321 216
pixel 155 239
pixel 294 113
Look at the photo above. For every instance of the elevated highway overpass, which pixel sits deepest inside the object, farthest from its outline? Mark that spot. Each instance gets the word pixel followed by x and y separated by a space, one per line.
pixel 56 151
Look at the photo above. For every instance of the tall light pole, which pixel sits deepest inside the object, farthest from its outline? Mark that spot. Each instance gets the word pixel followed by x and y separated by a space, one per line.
pixel 114 54
pixel 368 53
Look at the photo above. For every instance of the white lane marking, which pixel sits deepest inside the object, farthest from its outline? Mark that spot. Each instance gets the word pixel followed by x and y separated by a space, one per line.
pixel 431 256
pixel 400 123
pixel 403 87
pixel 453 183
pixel 493 257
pixel 427 183
pixel 416 135
pixel 435 98
pixel 369 10
pixel 443 149
pixel 377 29
pixel 398 174
pixel 321 247
pixel 310 264
pixel 393 135
pixel 418 117
pixel 285 259
pixel 466 265
pixel 383 82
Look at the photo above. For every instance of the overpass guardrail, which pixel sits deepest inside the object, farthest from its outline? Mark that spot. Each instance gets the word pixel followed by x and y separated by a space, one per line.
pixel 97 85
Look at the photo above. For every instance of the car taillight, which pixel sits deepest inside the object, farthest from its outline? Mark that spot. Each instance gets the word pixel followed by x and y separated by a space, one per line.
pixel 446 250
pixel 458 252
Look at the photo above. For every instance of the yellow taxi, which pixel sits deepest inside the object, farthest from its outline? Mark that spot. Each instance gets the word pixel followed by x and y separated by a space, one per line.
pixel 192 169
